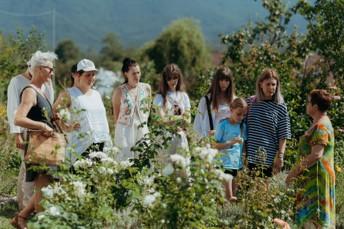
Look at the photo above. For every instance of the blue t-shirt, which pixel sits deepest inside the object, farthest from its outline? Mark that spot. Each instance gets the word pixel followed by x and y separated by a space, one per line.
pixel 225 131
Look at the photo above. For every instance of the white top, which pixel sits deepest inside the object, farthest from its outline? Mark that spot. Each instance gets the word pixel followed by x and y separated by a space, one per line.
pixel 223 112
pixel 179 98
pixel 89 111
pixel 14 90
pixel 201 123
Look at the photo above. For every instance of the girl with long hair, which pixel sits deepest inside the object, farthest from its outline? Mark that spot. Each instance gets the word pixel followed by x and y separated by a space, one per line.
pixel 216 104
pixel 173 103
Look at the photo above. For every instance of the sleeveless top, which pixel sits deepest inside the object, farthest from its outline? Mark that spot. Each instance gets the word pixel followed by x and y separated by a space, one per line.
pixel 42 111
pixel 129 106
pixel 89 111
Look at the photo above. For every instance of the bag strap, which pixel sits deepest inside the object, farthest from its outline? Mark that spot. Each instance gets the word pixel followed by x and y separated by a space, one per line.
pixel 211 124
pixel 53 121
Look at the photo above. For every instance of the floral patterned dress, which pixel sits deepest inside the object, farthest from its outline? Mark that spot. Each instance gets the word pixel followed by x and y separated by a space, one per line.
pixel 315 201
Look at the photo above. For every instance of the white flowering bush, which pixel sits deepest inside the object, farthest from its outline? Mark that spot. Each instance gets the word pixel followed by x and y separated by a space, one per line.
pixel 182 190
pixel 185 193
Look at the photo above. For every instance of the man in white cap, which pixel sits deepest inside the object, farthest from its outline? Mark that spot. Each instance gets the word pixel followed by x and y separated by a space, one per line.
pixel 15 87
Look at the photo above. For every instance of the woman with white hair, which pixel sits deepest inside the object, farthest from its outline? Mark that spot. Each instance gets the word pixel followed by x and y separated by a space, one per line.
pixel 35 113
pixel 15 87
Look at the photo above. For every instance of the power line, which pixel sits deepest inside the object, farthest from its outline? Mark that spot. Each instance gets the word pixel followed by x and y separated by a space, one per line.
pixel 26 15
pixel 54 14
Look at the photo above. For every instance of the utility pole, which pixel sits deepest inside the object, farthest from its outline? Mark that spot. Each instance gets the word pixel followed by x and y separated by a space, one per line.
pixel 54 29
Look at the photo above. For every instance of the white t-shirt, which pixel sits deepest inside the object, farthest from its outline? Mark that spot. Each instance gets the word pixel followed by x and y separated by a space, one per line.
pixel 173 98
pixel 89 112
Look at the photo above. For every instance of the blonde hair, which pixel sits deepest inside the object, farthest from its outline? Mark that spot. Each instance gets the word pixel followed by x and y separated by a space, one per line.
pixel 238 103
pixel 269 73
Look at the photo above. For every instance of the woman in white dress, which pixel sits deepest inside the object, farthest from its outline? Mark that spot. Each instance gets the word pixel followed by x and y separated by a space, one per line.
pixel 215 106
pixel 173 104
pixel 131 105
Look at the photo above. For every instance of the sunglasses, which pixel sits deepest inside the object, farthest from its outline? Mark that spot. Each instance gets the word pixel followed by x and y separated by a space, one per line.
pixel 50 69
pixel 173 78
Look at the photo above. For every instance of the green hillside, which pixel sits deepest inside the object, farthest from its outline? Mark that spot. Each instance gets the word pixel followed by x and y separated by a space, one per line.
pixel 134 21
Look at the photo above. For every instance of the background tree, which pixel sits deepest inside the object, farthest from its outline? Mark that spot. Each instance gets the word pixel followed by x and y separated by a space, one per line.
pixel 15 51
pixel 67 50
pixel 181 43
pixel 303 61
pixel 68 53
pixel 325 32
pixel 112 52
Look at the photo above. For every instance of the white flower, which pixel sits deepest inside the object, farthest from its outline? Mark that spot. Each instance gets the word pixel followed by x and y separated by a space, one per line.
pixel 102 170
pixel 83 163
pixel 65 114
pixel 109 171
pixel 207 153
pixel 180 160
pixel 148 180
pixel 179 180
pixel 79 188
pixel 150 199
pixel 54 211
pixel 168 170
pixel 188 171
pixel 48 191
pixel 125 164
pixel 109 161
pixel 105 171
pixel 223 176
pixel 40 216
pixel 100 155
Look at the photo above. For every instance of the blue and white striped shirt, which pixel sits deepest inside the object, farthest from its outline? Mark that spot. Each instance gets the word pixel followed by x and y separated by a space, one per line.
pixel 267 123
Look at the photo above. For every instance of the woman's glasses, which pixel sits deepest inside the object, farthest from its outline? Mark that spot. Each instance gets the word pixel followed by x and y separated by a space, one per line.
pixel 49 68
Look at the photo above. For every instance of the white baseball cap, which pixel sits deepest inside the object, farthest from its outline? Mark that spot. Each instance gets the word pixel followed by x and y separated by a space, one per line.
pixel 86 65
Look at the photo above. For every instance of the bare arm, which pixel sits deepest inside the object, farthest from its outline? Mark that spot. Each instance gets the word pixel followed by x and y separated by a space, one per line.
pixel 28 101
pixel 278 161
pixel 282 145
pixel 116 103
pixel 228 144
pixel 315 155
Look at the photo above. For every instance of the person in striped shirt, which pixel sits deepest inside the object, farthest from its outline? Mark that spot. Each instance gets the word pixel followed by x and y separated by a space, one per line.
pixel 268 125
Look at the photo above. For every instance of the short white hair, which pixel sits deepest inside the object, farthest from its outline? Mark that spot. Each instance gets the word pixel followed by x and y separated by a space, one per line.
pixel 41 59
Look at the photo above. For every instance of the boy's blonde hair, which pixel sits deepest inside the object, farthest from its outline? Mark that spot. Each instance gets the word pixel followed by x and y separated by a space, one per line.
pixel 238 103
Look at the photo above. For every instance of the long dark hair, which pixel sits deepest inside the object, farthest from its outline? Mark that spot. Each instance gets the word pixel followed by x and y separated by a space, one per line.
pixel 222 73
pixel 73 70
pixel 126 64
pixel 170 71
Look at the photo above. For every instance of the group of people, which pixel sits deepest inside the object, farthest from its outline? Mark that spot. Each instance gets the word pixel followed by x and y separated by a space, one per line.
pixel 253 129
